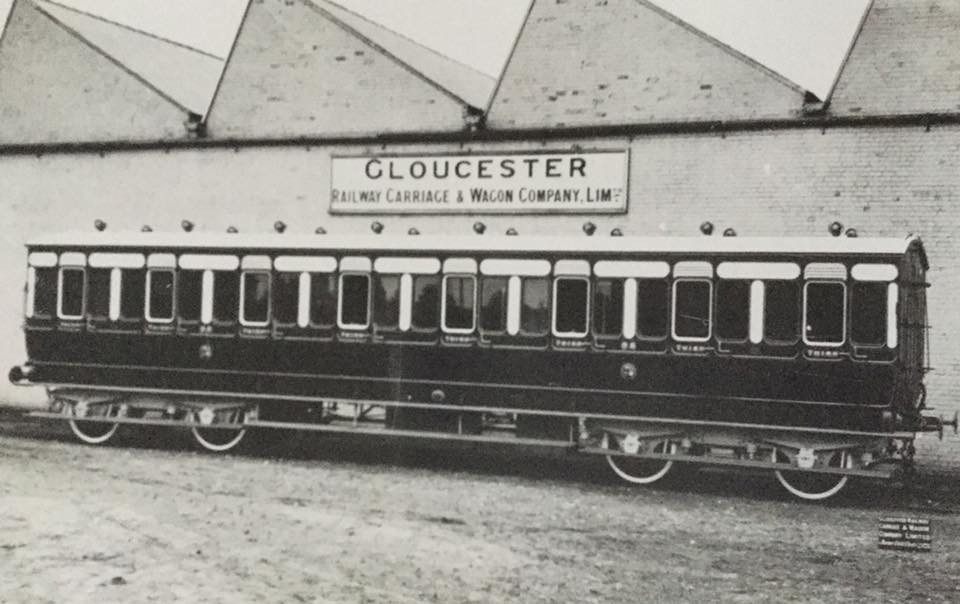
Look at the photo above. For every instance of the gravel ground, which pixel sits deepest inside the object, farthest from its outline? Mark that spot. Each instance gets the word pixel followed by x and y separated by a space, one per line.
pixel 308 519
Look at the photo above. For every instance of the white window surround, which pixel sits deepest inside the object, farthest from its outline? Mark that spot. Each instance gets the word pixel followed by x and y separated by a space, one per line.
pixel 693 268
pixel 42 259
pixel 340 323
pixel 117 260
pixel 758 270
pixel 173 296
pixel 570 334
pixel 646 269
pixel 673 311
pixel 243 293
pixel 73 259
pixel 83 294
pixel 411 266
pixel 571 268
pixel 804 324
pixel 519 267
pixel 443 305
pixel 874 272
pixel 305 264
pixel 460 265
pixel 212 262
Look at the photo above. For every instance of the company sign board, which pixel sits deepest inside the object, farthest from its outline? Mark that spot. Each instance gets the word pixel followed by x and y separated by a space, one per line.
pixel 592 182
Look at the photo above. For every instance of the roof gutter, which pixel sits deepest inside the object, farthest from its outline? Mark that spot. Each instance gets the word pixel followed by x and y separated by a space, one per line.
pixel 821 122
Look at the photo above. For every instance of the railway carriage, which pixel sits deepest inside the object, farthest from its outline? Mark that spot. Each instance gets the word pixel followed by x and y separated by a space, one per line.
pixel 803 356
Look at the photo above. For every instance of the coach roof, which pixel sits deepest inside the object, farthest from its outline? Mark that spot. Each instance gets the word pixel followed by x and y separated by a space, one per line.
pixel 482 243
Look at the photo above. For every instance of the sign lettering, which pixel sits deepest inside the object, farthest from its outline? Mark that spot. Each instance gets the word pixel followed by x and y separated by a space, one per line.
pixel 532 183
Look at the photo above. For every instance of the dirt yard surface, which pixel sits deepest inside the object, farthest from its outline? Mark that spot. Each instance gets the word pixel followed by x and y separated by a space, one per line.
pixel 310 519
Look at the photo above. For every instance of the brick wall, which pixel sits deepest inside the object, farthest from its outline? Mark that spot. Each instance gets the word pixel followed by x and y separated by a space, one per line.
pixel 883 181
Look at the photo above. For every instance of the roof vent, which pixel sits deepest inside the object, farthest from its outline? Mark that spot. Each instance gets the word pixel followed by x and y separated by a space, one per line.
pixel 146 229
pixel 99 224
pixel 376 226
pixel 836 228
pixel 186 225
pixel 616 233
pixel 413 231
pixel 589 228
pixel 320 231
pixel 232 229
pixel 279 226
pixel 479 228
pixel 706 228
pixel 729 232
pixel 512 232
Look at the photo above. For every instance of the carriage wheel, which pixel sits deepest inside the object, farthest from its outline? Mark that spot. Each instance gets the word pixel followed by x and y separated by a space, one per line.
pixel 641 471
pixel 93 433
pixel 813 486
pixel 218 440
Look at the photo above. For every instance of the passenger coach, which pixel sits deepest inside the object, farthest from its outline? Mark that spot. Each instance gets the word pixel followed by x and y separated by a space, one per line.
pixel 803 356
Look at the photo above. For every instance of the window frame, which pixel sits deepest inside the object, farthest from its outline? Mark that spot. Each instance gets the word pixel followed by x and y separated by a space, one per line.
pixel 148 283
pixel 369 313
pixel 83 293
pixel 241 314
pixel 673 310
pixel 475 315
pixel 555 305
pixel 845 324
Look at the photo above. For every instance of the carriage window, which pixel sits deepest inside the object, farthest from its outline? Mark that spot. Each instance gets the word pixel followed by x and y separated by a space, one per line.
pixel 386 302
pixel 459 301
pixel 653 308
pixel 226 293
pixel 323 299
pixel 571 302
pixel 45 292
pixel 131 293
pixel 160 295
pixel 534 307
pixel 733 310
pixel 256 298
pixel 71 293
pixel 868 313
pixel 286 298
pixel 825 309
pixel 493 304
pixel 781 321
pixel 98 292
pixel 189 291
pixel 425 314
pixel 354 301
pixel 691 309
pixel 608 307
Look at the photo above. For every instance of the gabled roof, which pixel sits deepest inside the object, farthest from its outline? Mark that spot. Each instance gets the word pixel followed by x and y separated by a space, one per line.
pixel 906 60
pixel 186 75
pixel 586 63
pixel 295 72
pixel 466 83
pixel 54 87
